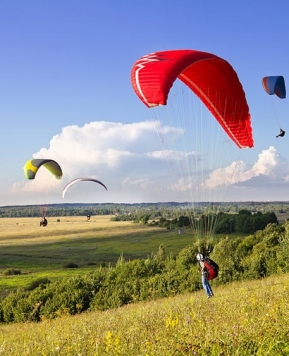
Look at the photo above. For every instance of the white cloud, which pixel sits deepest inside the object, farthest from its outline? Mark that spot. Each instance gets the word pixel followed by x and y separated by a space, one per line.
pixel 269 164
pixel 135 167
pixel 115 153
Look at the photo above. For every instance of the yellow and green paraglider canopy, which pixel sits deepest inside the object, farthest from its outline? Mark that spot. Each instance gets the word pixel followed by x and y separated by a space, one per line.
pixel 31 167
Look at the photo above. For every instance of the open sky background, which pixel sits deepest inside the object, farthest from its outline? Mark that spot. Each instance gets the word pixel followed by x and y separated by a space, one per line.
pixel 65 94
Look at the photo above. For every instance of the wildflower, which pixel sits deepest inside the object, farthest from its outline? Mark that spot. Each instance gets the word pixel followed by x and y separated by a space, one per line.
pixel 172 322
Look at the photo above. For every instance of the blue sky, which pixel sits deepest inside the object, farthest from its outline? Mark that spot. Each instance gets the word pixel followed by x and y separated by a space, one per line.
pixel 65 94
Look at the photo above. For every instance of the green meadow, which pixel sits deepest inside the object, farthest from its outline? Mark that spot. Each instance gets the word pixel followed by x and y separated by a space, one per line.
pixel 244 318
pixel 43 252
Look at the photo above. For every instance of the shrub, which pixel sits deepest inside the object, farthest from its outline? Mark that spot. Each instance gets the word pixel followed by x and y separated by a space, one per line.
pixel 70 265
pixel 12 272
pixel 40 282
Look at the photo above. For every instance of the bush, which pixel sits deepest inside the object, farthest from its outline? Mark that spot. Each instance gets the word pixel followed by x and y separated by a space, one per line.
pixel 71 265
pixel 11 272
pixel 41 282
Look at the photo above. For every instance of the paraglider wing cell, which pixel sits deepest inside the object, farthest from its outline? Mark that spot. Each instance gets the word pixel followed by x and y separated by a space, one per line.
pixel 210 77
pixel 80 180
pixel 31 168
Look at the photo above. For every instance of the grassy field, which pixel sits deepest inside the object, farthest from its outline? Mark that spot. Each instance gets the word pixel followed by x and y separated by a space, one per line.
pixel 43 251
pixel 245 318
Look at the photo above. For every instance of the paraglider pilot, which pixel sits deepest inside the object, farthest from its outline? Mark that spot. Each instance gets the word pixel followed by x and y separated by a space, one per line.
pixel 204 272
pixel 281 134
pixel 44 222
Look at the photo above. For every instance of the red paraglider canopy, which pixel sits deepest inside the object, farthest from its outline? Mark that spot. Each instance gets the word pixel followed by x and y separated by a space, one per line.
pixel 210 77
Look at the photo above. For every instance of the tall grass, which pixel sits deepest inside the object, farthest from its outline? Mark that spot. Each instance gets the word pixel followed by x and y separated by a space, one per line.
pixel 245 318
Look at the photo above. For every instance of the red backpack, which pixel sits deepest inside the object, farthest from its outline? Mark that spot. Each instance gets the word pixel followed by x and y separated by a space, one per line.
pixel 211 267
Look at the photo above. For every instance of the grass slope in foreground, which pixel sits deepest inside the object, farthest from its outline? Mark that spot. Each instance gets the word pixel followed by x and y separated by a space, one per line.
pixel 245 318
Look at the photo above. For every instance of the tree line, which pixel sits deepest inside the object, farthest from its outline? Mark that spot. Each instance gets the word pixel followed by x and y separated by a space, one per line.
pixel 168 210
pixel 223 223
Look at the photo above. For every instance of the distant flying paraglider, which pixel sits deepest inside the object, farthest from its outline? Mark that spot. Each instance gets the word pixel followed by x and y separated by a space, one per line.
pixel 210 77
pixel 275 85
pixel 31 168
pixel 80 180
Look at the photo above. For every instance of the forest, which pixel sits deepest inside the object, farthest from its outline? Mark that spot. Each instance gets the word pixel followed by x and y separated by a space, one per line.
pixel 166 209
